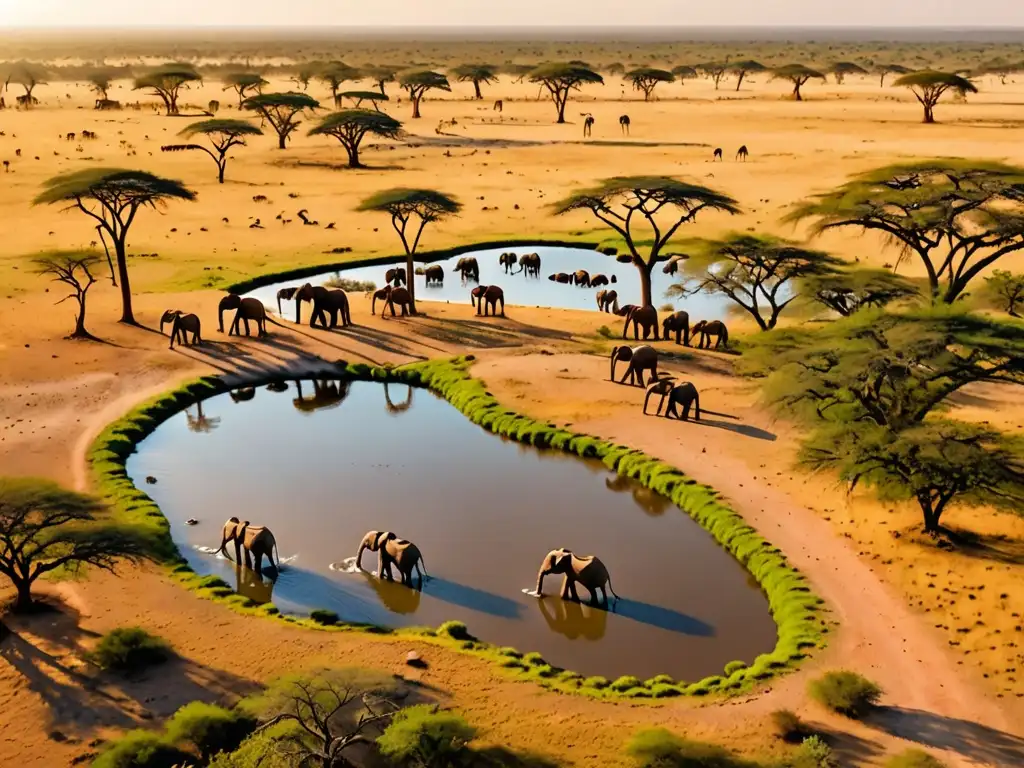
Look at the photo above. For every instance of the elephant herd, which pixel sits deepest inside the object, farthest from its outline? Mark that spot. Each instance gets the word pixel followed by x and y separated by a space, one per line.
pixel 582 278
pixel 183 325
pixel 645 358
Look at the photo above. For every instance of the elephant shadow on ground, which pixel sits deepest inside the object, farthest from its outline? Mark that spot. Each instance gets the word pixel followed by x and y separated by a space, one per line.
pixel 661 618
pixel 746 430
pixel 472 598
pixel 976 742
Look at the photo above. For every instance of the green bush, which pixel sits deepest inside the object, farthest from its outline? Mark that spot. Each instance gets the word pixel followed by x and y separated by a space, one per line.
pixel 327 618
pixel 130 650
pixel 845 692
pixel 261 749
pixel 813 753
pixel 659 748
pixel 626 682
pixel 350 285
pixel 734 666
pixel 142 749
pixel 608 250
pixel 914 758
pixel 789 727
pixel 596 681
pixel 606 332
pixel 426 735
pixel 456 630
pixel 209 728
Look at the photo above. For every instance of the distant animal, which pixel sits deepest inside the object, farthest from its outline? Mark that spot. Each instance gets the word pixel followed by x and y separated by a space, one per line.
pixel 181 326
pixel 598 280
pixel 561 277
pixel 104 104
pixel 469 268
pixel 7 166
pixel 70 137
pixel 581 277
pixel 287 294
pixel 256 225
pixel 396 276
pixel 678 323
pixel 742 153
pixel 88 135
pixel 259 198
pixel 673 264
pixel 588 126
pixel 256 540
pixel 607 301
pixel 639 359
pixel 434 274
pixel 491 295
pixel 499 106
pixel 683 394
pixel 588 571
pixel 708 329
pixel 718 153
pixel 305 219
pixel 624 124
pixel 245 310
pixel 400 296
pixel 383 294
pixel 508 260
pixel 530 264
pixel 330 226
pixel 392 550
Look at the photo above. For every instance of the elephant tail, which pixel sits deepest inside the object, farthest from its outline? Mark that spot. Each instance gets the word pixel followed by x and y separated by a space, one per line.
pixel 696 406
pixel 610 588
pixel 421 566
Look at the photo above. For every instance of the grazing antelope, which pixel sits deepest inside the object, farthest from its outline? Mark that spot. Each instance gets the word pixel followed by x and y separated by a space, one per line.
pixel 742 153
pixel 718 153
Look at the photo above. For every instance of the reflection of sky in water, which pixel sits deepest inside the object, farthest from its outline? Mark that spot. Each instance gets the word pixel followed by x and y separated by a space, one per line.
pixel 483 510
pixel 522 291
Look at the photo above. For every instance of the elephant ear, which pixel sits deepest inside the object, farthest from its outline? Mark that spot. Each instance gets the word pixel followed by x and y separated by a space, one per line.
pixel 564 561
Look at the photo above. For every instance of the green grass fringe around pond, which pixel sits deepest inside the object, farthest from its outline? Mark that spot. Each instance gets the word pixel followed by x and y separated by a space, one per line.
pixel 798 613
pixel 423 257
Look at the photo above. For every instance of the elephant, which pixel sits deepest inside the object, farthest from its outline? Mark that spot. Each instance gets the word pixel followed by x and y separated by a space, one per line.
pixel 639 358
pixel 469 268
pixel 683 394
pixel 659 386
pixel 581 277
pixel 257 541
pixel 647 317
pixel 396 276
pixel 399 296
pixel 383 294
pixel 672 267
pixel 327 393
pixel 401 407
pixel 287 294
pixel 181 326
pixel 678 323
pixel 242 394
pixel 588 571
pixel 508 260
pixel 325 302
pixel 608 301
pixel 530 264
pixel 598 280
pixel 489 294
pixel 707 329
pixel 245 310
pixel 561 277
pixel 434 275
pixel 391 549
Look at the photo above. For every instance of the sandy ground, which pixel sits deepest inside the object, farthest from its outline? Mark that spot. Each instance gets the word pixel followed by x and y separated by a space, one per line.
pixel 940 631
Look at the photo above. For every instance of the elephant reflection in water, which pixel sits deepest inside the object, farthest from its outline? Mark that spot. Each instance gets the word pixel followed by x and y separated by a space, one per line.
pixel 200 422
pixel 396 597
pixel 243 394
pixel 252 585
pixel 651 502
pixel 573 619
pixel 401 407
pixel 327 393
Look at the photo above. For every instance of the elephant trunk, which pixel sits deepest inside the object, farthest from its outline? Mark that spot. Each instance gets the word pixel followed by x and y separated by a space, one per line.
pixel 647 399
pixel 615 355
pixel 540 580
pixel 298 310
pixel 615 305
pixel 359 555
pixel 221 550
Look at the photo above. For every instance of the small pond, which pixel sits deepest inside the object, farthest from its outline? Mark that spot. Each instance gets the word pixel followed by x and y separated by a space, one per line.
pixel 321 463
pixel 523 291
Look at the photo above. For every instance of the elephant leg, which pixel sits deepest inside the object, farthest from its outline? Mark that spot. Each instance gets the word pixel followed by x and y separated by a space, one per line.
pixel 238 551
pixel 573 594
pixel 248 558
pixel 564 594
pixel 661 404
pixel 259 562
pixel 686 411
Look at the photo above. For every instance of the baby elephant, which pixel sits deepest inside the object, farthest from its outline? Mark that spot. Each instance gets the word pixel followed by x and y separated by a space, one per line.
pixel 391 549
pixel 683 394
pixel 181 326
pixel 639 358
pixel 588 571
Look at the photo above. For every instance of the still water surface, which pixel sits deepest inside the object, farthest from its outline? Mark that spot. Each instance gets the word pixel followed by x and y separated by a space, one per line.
pixel 523 291
pixel 323 465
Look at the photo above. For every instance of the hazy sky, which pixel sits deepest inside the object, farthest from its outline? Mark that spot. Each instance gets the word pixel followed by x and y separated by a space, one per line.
pixel 862 13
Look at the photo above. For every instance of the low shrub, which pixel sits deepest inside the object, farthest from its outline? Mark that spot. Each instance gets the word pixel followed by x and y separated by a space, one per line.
pixel 667 308
pixel 129 650
pixel 209 728
pixel 845 692
pixel 327 618
pixel 659 748
pixel 597 682
pixel 142 749
pixel 608 250
pixel 456 630
pixel 665 691
pixel 789 727
pixel 734 666
pixel 351 286
pixel 813 753
pixel 605 332
pixel 914 758
pixel 535 659
pixel 626 682
pixel 426 736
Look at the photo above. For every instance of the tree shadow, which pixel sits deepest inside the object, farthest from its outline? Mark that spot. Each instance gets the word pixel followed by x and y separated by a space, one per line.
pixel 976 742
pixel 504 757
pixel 994 547
pixel 847 748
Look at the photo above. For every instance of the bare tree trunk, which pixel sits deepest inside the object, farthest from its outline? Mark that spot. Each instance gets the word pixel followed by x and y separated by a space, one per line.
pixel 127 316
pixel 646 294
pixel 476 85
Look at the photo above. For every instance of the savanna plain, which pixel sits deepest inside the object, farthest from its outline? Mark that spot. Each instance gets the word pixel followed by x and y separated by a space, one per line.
pixel 864 417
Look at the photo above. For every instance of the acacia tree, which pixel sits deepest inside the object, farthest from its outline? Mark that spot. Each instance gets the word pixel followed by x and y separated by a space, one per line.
pixel 113 198
pixel 223 135
pixel 518 71
pixel 646 78
pixel 29 77
pixel 743 68
pixel 884 70
pixel 937 464
pixel 1005 290
pixel 798 75
pixel 841 69
pixel 928 87
pixel 716 70
pixel 562 78
pixel 959 217
pixel 616 68
pixel 886 369
pixel 1001 69
pixel 243 82
pixel 73 269
pixel 381 75
pixel 418 81
pixel 281 110
pixel 404 205
pixel 44 527
pixel 334 74
pixel 100 80
pixel 476 74
pixel 359 97
pixel 628 203
pixel 167 81
pixel 683 72
pixel 756 273
pixel 350 126
pixel 851 290
pixel 303 75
